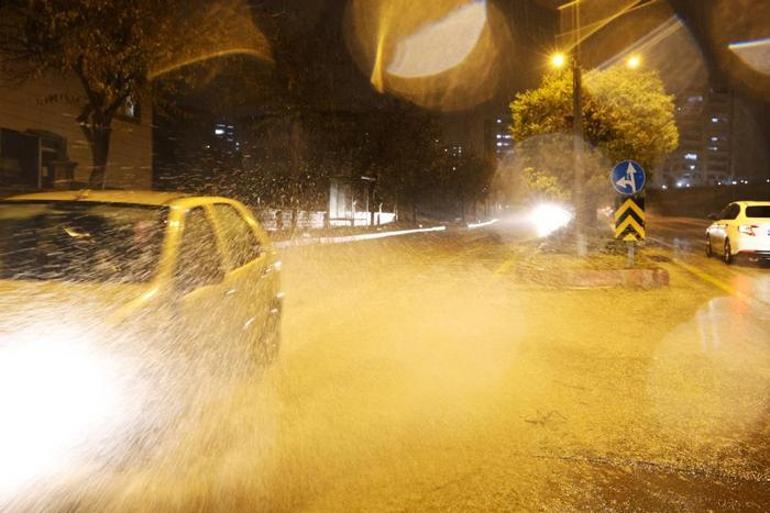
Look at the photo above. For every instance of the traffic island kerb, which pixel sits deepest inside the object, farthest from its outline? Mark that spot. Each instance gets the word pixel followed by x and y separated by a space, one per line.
pixel 647 278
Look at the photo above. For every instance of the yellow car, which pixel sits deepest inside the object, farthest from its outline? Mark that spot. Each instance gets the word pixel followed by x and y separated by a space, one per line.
pixel 204 262
pixel 116 310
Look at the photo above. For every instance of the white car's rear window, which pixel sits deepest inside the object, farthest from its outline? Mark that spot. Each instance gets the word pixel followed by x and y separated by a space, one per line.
pixel 758 211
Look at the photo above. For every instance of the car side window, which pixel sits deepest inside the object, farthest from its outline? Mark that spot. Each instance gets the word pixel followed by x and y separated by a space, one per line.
pixel 730 212
pixel 240 240
pixel 199 262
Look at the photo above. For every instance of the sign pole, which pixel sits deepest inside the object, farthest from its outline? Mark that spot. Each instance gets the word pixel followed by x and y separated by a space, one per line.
pixel 631 253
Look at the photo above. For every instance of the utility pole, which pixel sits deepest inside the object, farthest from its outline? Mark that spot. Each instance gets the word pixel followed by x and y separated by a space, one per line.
pixel 578 189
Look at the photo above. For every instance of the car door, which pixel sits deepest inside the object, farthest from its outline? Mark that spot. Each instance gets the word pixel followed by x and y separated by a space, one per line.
pixel 200 291
pixel 719 232
pixel 247 273
pixel 730 225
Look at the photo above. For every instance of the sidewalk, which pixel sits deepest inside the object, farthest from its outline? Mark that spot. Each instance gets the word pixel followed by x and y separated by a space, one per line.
pixel 284 239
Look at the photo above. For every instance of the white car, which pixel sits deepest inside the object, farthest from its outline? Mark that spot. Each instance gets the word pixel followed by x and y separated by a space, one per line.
pixel 741 228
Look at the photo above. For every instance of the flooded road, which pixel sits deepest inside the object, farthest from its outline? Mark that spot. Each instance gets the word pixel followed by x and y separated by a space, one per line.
pixel 419 374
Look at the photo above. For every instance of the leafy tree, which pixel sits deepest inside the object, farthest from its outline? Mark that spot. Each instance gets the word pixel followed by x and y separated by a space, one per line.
pixel 627 115
pixel 116 48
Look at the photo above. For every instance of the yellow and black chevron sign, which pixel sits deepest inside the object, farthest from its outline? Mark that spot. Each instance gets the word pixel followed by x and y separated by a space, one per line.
pixel 629 219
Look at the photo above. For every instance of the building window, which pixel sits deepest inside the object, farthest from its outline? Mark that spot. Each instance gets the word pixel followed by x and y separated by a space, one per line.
pixel 131 110
pixel 691 156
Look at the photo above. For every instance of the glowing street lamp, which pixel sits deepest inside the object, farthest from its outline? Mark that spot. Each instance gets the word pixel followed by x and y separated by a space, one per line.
pixel 558 60
pixel 633 62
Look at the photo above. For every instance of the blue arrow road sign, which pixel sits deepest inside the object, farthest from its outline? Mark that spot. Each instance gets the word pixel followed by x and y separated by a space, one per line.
pixel 628 178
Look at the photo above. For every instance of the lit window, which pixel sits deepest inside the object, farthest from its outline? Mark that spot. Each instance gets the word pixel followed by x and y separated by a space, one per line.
pixel 691 156
pixel 695 99
pixel 692 166
pixel 130 109
pixel 499 144
pixel 219 131
pixel 714 139
pixel 508 136
pixel 715 120
pixel 499 136
pixel 713 148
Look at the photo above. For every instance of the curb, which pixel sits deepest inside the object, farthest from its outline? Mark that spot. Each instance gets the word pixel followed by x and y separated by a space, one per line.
pixel 341 239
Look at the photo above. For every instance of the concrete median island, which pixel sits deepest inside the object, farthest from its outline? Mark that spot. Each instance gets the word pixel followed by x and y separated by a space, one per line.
pixel 601 269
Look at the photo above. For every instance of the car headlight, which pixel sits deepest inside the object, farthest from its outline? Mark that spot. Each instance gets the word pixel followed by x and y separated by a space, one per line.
pixel 57 392
pixel 546 218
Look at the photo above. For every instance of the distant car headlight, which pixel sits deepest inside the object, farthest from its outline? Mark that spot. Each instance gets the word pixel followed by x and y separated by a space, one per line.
pixel 58 392
pixel 546 218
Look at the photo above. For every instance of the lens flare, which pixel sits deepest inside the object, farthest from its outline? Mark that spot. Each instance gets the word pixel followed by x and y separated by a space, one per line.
pixel 444 55
pixel 441 45
pixel 755 54
pixel 211 30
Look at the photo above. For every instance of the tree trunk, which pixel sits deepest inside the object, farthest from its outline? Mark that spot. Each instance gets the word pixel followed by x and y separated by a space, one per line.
pixel 99 141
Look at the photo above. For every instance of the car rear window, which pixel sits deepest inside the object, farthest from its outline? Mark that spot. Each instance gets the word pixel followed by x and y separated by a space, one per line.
pixel 80 241
pixel 760 211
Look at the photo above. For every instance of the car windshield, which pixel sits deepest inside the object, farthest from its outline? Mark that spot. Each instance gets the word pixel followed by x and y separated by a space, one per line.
pixel 762 211
pixel 79 241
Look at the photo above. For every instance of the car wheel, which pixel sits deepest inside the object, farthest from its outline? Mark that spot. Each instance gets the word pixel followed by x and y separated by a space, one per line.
pixel 728 255
pixel 270 341
pixel 709 249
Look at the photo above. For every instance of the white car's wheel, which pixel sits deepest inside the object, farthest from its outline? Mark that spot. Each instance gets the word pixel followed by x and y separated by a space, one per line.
pixel 709 249
pixel 728 254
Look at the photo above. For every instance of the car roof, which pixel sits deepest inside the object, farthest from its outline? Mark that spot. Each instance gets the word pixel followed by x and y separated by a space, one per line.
pixel 118 196
pixel 750 203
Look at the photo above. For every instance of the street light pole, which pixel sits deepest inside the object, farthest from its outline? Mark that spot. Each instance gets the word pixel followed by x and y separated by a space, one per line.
pixel 578 194
pixel 578 191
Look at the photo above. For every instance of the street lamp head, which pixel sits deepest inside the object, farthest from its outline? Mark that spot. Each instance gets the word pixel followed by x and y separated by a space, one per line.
pixel 633 62
pixel 558 60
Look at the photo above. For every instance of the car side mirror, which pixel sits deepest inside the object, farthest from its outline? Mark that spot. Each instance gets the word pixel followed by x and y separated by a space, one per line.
pixel 713 217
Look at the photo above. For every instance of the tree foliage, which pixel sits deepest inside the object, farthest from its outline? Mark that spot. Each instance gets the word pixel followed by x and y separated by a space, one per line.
pixel 626 115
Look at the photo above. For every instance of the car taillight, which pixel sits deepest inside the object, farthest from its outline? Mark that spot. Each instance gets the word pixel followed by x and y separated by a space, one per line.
pixel 748 229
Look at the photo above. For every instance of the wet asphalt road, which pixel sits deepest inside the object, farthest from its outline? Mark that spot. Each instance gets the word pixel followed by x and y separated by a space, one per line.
pixel 418 374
